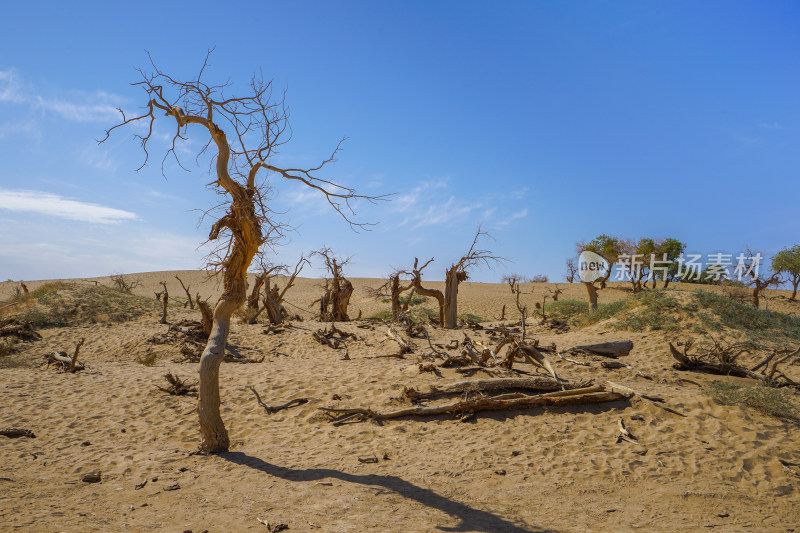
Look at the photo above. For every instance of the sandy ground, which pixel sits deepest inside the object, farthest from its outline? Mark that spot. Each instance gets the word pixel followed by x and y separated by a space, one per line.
pixel 554 469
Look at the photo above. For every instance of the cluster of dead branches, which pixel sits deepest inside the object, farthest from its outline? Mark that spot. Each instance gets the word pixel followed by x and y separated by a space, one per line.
pixel 123 284
pixel 22 329
pixel 718 357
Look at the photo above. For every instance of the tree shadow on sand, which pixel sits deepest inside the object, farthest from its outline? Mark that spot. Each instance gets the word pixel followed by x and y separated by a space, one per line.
pixel 470 519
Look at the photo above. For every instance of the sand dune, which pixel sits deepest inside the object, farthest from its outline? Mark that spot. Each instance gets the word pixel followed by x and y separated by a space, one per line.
pixel 555 469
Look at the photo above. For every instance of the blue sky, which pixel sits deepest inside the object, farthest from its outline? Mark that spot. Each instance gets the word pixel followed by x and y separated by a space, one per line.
pixel 547 122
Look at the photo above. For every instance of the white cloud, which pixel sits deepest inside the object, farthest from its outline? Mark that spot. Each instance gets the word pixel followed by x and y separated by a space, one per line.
pixel 514 216
pixel 98 106
pixel 58 206
pixel 10 87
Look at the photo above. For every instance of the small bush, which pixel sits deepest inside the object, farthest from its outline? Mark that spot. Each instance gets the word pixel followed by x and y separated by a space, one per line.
pixel 769 400
pixel 468 317
pixel 147 359
pixel 7 346
pixel 415 300
pixel 540 278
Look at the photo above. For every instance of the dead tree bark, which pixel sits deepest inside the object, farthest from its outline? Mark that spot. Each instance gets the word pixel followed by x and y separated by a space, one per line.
pixel 416 281
pixel 164 297
pixel 273 297
pixel 206 314
pixel 188 294
pixel 258 125
pixel 338 289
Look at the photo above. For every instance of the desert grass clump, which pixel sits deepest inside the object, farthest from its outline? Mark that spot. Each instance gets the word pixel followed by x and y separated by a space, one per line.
pixel 148 358
pixel 7 346
pixel 470 317
pixel 773 401
pixel 736 315
pixel 416 299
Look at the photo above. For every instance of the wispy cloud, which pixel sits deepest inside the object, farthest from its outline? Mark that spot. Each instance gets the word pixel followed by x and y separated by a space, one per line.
pixel 86 107
pixel 511 218
pixel 58 206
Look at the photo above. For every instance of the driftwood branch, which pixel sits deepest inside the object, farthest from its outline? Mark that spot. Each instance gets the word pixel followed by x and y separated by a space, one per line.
pixel 68 363
pixel 560 398
pixel 270 409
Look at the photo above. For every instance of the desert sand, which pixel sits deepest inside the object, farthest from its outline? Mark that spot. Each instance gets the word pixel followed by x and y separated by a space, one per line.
pixel 719 468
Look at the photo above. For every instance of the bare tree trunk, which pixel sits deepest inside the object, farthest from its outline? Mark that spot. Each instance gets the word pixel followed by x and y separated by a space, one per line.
pixel 756 292
pixel 453 277
pixel 188 294
pixel 206 314
pixel 164 302
pixel 431 293
pixel 795 283
pixel 592 290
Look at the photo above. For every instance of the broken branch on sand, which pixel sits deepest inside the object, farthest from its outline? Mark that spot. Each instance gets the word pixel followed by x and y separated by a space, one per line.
pixel 68 364
pixel 270 409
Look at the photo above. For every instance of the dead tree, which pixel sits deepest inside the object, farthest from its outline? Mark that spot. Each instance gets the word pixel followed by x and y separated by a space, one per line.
pixel 185 288
pixel 258 125
pixel 254 308
pixel 416 281
pixel 393 289
pixel 206 314
pixel 123 284
pixel 274 297
pixel 164 297
pixel 458 273
pixel 513 281
pixel 572 271
pixel 338 289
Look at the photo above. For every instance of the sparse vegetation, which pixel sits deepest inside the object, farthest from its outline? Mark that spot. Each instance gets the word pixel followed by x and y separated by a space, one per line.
pixel 416 299
pixel 147 359
pixel 736 315
pixel 59 304
pixel 777 402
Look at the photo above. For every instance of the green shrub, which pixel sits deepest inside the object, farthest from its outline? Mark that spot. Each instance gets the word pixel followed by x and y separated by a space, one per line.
pixel 467 317
pixel 769 400
pixel 415 300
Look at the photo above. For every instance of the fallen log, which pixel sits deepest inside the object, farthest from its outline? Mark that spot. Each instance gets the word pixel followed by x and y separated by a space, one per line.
pixel 490 384
pixel 560 398
pixel 607 349
pixel 15 433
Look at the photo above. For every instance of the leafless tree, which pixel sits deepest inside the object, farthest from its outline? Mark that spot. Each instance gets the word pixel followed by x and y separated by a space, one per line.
pixel 258 125
pixel 123 284
pixel 393 288
pixel 190 302
pixel 572 271
pixel 338 289
pixel 514 281
pixel 458 272
pixel 274 296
